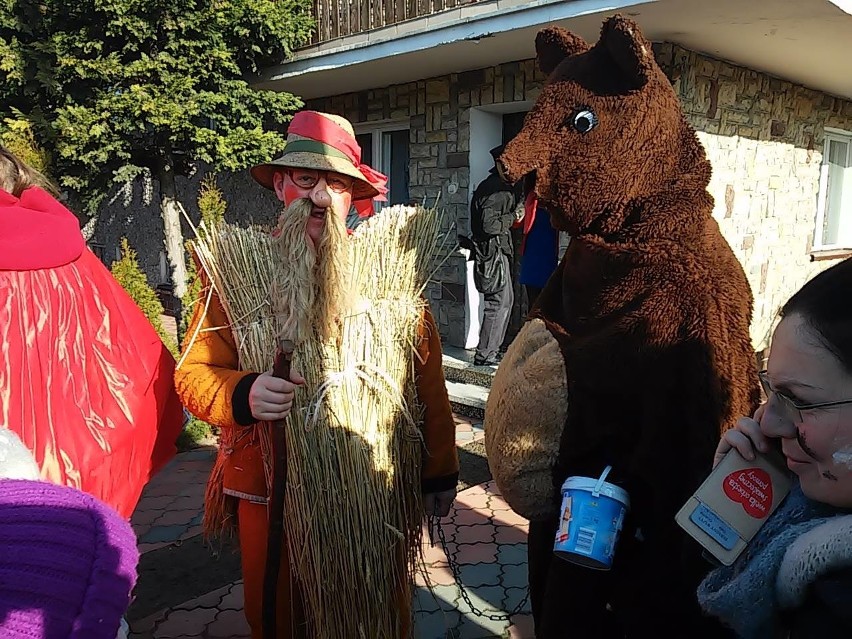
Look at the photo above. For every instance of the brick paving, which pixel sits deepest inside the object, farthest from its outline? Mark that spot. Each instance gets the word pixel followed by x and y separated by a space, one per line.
pixel 468 430
pixel 172 505
pixel 483 535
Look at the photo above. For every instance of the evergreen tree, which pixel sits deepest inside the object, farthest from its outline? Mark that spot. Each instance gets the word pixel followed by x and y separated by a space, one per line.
pixel 122 89
pixel 212 205
pixel 127 272
pixel 17 136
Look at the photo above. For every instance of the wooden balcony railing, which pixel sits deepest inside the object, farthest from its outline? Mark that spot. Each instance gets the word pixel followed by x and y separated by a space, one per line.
pixel 340 18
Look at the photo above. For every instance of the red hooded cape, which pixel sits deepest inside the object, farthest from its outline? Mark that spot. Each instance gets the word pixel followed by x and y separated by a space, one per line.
pixel 85 381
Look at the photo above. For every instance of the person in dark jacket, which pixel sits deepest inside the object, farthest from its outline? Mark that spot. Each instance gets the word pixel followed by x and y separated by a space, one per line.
pixel 495 207
pixel 794 580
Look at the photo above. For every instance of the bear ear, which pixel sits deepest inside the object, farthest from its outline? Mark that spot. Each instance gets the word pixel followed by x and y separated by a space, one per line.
pixel 554 44
pixel 629 49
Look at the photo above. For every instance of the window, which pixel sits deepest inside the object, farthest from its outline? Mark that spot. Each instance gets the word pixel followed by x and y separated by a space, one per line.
pixel 834 210
pixel 385 148
pixel 512 125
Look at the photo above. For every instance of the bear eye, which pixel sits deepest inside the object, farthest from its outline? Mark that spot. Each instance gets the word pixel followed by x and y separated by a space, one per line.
pixel 584 120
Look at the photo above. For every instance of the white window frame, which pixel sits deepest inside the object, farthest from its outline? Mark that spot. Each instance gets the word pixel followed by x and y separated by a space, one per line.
pixel 376 130
pixel 838 135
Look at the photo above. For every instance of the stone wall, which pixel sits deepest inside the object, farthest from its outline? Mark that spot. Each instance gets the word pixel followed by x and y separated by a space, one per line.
pixel 438 113
pixel 764 137
pixel 142 225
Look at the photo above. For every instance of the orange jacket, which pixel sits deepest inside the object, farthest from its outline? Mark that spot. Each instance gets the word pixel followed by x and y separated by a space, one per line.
pixel 214 390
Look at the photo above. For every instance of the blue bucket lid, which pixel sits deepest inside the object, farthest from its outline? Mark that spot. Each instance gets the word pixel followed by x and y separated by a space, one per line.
pixel 592 485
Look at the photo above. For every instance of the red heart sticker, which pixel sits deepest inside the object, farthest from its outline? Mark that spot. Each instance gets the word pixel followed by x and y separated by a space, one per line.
pixel 752 488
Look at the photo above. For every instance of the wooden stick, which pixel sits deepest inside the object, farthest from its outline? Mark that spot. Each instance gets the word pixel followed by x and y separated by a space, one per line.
pixel 281 369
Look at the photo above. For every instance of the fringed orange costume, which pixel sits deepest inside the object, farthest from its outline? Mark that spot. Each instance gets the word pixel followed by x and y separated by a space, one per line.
pixel 214 390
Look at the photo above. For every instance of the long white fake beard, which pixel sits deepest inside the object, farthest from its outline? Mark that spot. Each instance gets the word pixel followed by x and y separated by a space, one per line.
pixel 311 287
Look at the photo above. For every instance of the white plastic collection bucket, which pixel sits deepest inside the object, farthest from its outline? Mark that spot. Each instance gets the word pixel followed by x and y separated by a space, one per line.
pixel 592 515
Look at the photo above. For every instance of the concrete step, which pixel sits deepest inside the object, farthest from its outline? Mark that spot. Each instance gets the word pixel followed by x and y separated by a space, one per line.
pixel 458 367
pixel 467 399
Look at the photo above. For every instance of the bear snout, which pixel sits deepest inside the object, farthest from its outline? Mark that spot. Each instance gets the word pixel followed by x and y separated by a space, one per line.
pixel 516 161
pixel 510 178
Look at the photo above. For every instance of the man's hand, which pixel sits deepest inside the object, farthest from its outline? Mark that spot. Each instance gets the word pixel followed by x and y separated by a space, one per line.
pixel 271 398
pixel 438 504
pixel 519 212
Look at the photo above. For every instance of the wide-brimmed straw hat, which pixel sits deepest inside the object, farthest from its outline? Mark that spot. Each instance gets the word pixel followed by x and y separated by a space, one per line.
pixel 324 142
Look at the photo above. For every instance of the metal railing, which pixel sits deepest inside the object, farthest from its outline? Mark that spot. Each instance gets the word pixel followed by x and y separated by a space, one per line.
pixel 341 18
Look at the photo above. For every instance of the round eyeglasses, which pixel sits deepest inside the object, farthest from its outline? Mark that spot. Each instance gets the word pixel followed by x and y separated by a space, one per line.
pixel 308 179
pixel 790 408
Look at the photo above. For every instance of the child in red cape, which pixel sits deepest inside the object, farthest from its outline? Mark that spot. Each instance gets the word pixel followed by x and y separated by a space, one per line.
pixel 85 381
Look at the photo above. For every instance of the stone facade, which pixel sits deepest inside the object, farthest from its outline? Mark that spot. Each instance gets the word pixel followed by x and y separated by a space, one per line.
pixel 764 137
pixel 438 113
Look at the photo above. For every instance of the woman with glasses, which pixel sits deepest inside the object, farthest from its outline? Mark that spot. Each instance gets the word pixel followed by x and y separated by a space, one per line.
pixel 795 578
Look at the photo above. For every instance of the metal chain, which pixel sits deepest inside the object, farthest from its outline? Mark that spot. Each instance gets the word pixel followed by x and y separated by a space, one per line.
pixel 435 524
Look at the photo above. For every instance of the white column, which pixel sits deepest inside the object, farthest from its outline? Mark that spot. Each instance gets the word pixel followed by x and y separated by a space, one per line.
pixel 486 132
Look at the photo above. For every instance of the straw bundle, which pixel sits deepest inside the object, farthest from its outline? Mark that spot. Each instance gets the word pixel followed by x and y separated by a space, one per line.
pixel 240 266
pixel 239 262
pixel 352 511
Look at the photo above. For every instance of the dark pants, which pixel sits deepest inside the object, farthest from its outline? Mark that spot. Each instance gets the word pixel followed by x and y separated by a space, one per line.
pixel 532 295
pixel 645 596
pixel 567 600
pixel 495 317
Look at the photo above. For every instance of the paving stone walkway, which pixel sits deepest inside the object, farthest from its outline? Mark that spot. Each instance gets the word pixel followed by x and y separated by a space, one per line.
pixel 485 537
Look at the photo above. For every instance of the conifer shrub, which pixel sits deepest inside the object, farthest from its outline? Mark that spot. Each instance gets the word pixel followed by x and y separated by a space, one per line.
pixel 127 272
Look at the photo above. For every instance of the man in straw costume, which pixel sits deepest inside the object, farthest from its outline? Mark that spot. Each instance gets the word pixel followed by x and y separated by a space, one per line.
pixel 321 163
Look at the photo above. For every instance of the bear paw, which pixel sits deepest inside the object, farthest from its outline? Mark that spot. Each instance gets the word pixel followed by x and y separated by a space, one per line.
pixel 524 418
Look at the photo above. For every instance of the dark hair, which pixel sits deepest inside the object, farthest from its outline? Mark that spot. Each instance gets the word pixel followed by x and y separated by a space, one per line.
pixel 825 303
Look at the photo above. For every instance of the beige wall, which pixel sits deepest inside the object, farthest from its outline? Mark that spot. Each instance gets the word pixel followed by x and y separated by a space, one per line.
pixel 764 137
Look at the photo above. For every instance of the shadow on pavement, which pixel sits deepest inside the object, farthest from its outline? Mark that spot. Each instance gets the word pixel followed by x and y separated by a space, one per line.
pixel 180 572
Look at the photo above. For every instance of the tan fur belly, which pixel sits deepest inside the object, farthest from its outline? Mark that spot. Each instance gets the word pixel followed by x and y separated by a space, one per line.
pixel 524 419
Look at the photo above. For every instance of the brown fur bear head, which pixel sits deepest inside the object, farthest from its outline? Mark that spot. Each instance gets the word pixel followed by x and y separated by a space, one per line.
pixel 606 136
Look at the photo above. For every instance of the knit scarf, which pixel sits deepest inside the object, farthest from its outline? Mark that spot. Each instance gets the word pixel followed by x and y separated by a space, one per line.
pixel 744 595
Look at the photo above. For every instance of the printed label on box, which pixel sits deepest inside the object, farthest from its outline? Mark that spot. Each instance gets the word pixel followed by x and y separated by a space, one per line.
pixel 752 489
pixel 715 526
pixel 734 501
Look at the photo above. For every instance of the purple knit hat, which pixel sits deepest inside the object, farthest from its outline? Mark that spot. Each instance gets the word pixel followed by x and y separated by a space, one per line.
pixel 67 563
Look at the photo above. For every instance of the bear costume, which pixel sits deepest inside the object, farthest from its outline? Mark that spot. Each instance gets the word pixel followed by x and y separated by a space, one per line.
pixel 637 353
